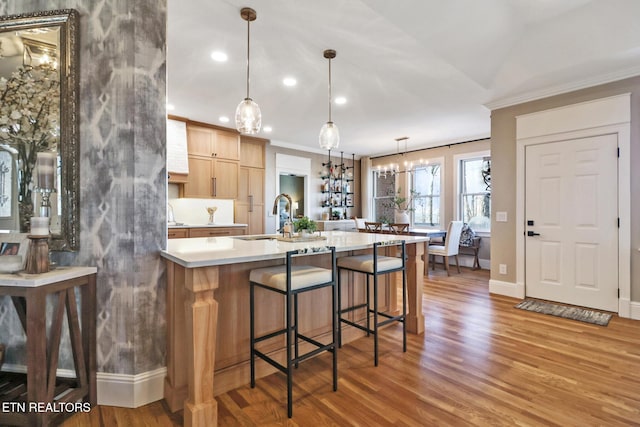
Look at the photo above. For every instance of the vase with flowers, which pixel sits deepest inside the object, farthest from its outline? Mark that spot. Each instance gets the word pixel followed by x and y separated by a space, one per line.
pixel 403 205
pixel 29 123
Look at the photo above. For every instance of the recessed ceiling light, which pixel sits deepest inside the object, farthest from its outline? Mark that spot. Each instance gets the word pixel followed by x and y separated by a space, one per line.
pixel 219 56
pixel 341 100
pixel 224 119
pixel 289 81
pixel 171 107
pixel 267 129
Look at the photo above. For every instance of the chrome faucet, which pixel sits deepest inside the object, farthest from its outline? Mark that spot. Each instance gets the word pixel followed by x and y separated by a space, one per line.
pixel 287 228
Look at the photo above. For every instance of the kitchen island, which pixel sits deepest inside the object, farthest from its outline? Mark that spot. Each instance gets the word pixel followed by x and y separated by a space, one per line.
pixel 208 309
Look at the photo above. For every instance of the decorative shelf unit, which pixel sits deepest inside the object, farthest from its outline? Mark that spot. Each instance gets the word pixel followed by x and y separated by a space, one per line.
pixel 338 186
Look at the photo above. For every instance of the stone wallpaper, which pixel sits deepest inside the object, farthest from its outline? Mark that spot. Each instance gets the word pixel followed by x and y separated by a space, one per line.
pixel 123 180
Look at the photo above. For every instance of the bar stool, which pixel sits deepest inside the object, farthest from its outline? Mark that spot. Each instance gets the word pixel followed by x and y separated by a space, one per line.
pixel 374 265
pixel 291 280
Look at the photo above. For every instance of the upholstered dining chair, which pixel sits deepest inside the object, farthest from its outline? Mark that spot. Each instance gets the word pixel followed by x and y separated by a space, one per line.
pixel 360 224
pixel 450 247
pixel 373 227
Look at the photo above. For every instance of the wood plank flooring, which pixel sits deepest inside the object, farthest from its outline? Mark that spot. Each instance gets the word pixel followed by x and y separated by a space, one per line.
pixel 481 362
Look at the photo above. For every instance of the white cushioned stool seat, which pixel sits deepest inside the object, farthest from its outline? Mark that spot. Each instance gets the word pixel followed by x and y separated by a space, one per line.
pixel 364 263
pixel 302 276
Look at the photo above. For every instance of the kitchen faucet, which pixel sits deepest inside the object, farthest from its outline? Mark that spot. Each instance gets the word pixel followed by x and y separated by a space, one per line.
pixel 287 228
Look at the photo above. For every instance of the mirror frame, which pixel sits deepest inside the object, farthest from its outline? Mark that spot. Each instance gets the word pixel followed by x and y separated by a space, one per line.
pixel 68 21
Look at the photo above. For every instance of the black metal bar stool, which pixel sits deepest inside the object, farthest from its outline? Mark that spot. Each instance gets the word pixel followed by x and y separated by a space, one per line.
pixel 374 265
pixel 291 280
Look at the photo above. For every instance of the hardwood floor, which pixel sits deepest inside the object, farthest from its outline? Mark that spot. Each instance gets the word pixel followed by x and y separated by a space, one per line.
pixel 480 362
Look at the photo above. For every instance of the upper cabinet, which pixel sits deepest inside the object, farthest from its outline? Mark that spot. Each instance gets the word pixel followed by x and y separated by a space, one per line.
pixel 214 157
pixel 177 153
pixel 210 142
pixel 252 151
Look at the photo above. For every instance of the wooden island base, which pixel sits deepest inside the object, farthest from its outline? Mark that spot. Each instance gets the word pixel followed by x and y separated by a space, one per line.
pixel 208 325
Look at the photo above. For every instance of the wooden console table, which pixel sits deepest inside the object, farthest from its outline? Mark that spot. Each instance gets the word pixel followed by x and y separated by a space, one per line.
pixel 39 397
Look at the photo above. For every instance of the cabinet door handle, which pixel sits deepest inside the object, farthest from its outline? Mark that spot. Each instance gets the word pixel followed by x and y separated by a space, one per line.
pixel 213 187
pixel 250 203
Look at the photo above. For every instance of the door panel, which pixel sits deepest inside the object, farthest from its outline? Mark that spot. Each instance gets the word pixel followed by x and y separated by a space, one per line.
pixel 571 197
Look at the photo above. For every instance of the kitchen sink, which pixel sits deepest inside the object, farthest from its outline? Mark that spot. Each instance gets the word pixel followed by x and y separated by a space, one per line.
pixel 280 238
pixel 261 237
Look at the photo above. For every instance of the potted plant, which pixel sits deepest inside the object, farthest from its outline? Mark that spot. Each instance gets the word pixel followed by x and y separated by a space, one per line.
pixel 403 205
pixel 305 226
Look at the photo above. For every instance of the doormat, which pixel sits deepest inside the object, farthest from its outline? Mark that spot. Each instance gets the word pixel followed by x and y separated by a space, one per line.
pixel 568 312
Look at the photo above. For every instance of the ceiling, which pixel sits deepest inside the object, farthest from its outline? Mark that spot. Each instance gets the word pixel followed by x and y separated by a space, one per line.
pixel 430 70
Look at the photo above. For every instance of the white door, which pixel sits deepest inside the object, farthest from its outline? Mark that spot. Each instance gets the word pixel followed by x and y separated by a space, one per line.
pixel 571 222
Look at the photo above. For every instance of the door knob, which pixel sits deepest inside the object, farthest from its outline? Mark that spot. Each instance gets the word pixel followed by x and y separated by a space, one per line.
pixel 532 233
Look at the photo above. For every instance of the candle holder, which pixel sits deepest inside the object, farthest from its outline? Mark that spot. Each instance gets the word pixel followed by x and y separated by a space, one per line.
pixel 45 203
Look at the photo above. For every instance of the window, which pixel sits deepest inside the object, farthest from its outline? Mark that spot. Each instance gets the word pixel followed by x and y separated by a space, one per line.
pixel 383 190
pixel 426 181
pixel 475 193
pixel 6 184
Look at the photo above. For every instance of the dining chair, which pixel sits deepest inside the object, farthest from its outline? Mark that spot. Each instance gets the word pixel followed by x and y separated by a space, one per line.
pixel 373 227
pixel 360 224
pixel 450 247
pixel 399 228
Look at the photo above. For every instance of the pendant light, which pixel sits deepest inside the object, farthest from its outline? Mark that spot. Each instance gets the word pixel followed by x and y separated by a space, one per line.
pixel 329 135
pixel 248 115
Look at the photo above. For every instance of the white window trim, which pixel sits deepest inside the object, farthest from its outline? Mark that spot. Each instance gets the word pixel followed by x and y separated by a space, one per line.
pixel 443 210
pixel 457 184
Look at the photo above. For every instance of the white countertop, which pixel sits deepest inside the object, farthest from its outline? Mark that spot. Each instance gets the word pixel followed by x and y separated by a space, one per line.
pixel 215 225
pixel 34 280
pixel 209 251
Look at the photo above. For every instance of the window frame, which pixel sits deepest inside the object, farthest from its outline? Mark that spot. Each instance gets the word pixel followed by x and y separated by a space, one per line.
pixel 440 161
pixel 375 197
pixel 457 176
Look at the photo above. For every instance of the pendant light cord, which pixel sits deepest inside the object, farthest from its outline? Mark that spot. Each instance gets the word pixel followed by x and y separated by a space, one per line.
pixel 329 89
pixel 248 51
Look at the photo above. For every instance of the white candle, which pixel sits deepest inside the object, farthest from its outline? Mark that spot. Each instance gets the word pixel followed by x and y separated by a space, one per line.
pixel 39 225
pixel 45 164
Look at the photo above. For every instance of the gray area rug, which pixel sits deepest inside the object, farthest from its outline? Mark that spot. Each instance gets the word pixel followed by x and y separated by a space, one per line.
pixel 575 313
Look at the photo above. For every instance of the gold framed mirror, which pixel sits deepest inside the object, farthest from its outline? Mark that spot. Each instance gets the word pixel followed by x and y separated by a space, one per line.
pixel 39 88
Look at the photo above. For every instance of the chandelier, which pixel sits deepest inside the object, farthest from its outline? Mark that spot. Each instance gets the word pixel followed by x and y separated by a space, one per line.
pixel 394 168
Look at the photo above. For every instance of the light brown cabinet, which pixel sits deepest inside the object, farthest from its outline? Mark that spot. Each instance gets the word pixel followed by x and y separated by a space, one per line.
pixel 210 142
pixel 213 163
pixel 180 233
pixel 252 151
pixel 216 231
pixel 250 202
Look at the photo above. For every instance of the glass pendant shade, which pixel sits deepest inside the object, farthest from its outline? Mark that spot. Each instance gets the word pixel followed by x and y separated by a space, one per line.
pixel 329 136
pixel 248 117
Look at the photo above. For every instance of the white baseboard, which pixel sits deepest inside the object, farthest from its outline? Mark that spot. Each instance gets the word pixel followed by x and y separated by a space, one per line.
pixel 515 290
pixel 634 312
pixel 127 391
pixel 130 391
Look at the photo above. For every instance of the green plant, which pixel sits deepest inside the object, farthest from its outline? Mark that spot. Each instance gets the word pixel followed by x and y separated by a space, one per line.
pixel 402 203
pixel 305 223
